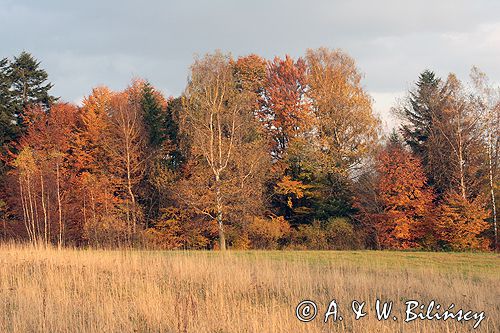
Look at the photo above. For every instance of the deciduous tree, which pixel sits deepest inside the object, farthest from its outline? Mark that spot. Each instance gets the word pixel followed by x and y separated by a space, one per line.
pixel 406 214
pixel 126 151
pixel 346 126
pixel 461 221
pixel 487 100
pixel 285 109
pixel 226 154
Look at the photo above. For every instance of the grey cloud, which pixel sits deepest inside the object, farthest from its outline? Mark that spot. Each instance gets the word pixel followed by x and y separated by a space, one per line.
pixel 86 43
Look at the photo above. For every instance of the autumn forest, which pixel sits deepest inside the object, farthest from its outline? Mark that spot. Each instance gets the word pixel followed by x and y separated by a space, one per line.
pixel 283 153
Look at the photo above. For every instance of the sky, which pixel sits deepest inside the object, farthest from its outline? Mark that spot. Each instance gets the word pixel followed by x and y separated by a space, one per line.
pixel 84 44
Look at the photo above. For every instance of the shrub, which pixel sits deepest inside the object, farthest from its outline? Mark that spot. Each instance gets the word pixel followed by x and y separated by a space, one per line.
pixel 267 233
pixel 334 234
pixel 340 235
pixel 177 230
pixel 309 237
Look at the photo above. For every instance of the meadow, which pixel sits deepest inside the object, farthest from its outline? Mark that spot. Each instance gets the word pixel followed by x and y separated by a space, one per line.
pixel 83 290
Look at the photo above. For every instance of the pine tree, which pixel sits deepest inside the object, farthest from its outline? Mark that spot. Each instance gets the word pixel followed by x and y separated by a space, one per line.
pixel 22 84
pixel 160 118
pixel 29 83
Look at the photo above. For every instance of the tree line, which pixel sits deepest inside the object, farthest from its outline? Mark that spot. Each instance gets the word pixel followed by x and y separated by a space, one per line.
pixel 264 154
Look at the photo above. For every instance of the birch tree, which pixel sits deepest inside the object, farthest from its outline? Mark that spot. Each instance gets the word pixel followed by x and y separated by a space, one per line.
pixel 458 150
pixel 225 149
pixel 488 103
pixel 346 126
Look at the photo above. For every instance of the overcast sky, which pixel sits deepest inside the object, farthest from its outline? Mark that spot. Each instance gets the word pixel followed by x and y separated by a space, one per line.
pixel 83 44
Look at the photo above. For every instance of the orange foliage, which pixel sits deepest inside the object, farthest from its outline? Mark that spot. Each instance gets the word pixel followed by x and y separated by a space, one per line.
pixel 266 233
pixel 461 221
pixel 177 229
pixel 291 189
pixel 43 175
pixel 407 201
pixel 250 72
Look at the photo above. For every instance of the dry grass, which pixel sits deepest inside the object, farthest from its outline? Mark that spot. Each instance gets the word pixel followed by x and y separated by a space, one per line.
pixel 134 291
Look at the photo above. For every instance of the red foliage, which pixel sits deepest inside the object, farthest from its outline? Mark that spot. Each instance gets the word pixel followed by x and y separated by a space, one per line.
pixel 285 108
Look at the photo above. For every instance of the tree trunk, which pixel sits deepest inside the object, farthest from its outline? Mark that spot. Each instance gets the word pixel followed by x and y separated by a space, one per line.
pixel 461 157
pixel 32 215
pixel 222 236
pixel 25 208
pixel 59 243
pixel 44 208
pixel 492 189
pixel 131 194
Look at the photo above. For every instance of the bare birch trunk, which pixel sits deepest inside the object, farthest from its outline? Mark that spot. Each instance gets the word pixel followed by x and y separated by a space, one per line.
pixel 32 213
pixel 59 207
pixel 220 223
pixel 492 188
pixel 44 208
pixel 460 157
pixel 26 218
pixel 130 192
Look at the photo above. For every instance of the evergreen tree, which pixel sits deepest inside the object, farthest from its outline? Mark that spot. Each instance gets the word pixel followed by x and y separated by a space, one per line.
pixel 161 125
pixel 29 84
pixel 154 116
pixel 394 139
pixel 171 128
pixel 419 113
pixel 7 119
pixel 163 151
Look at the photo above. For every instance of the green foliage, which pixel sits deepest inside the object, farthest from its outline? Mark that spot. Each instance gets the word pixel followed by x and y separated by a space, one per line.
pixel 22 84
pixel 248 139
pixel 171 128
pixel 29 84
pixel 8 128
pixel 161 125
pixel 419 113
pixel 154 116
pixel 163 150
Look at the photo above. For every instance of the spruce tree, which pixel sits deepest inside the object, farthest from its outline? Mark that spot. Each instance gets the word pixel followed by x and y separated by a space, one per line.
pixel 163 149
pixel 174 108
pixel 154 116
pixel 423 104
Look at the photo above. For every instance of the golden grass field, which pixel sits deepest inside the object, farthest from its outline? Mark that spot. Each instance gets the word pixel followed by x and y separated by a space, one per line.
pixel 47 290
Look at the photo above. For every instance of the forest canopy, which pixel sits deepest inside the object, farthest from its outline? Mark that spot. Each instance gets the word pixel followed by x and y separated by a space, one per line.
pixel 256 153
